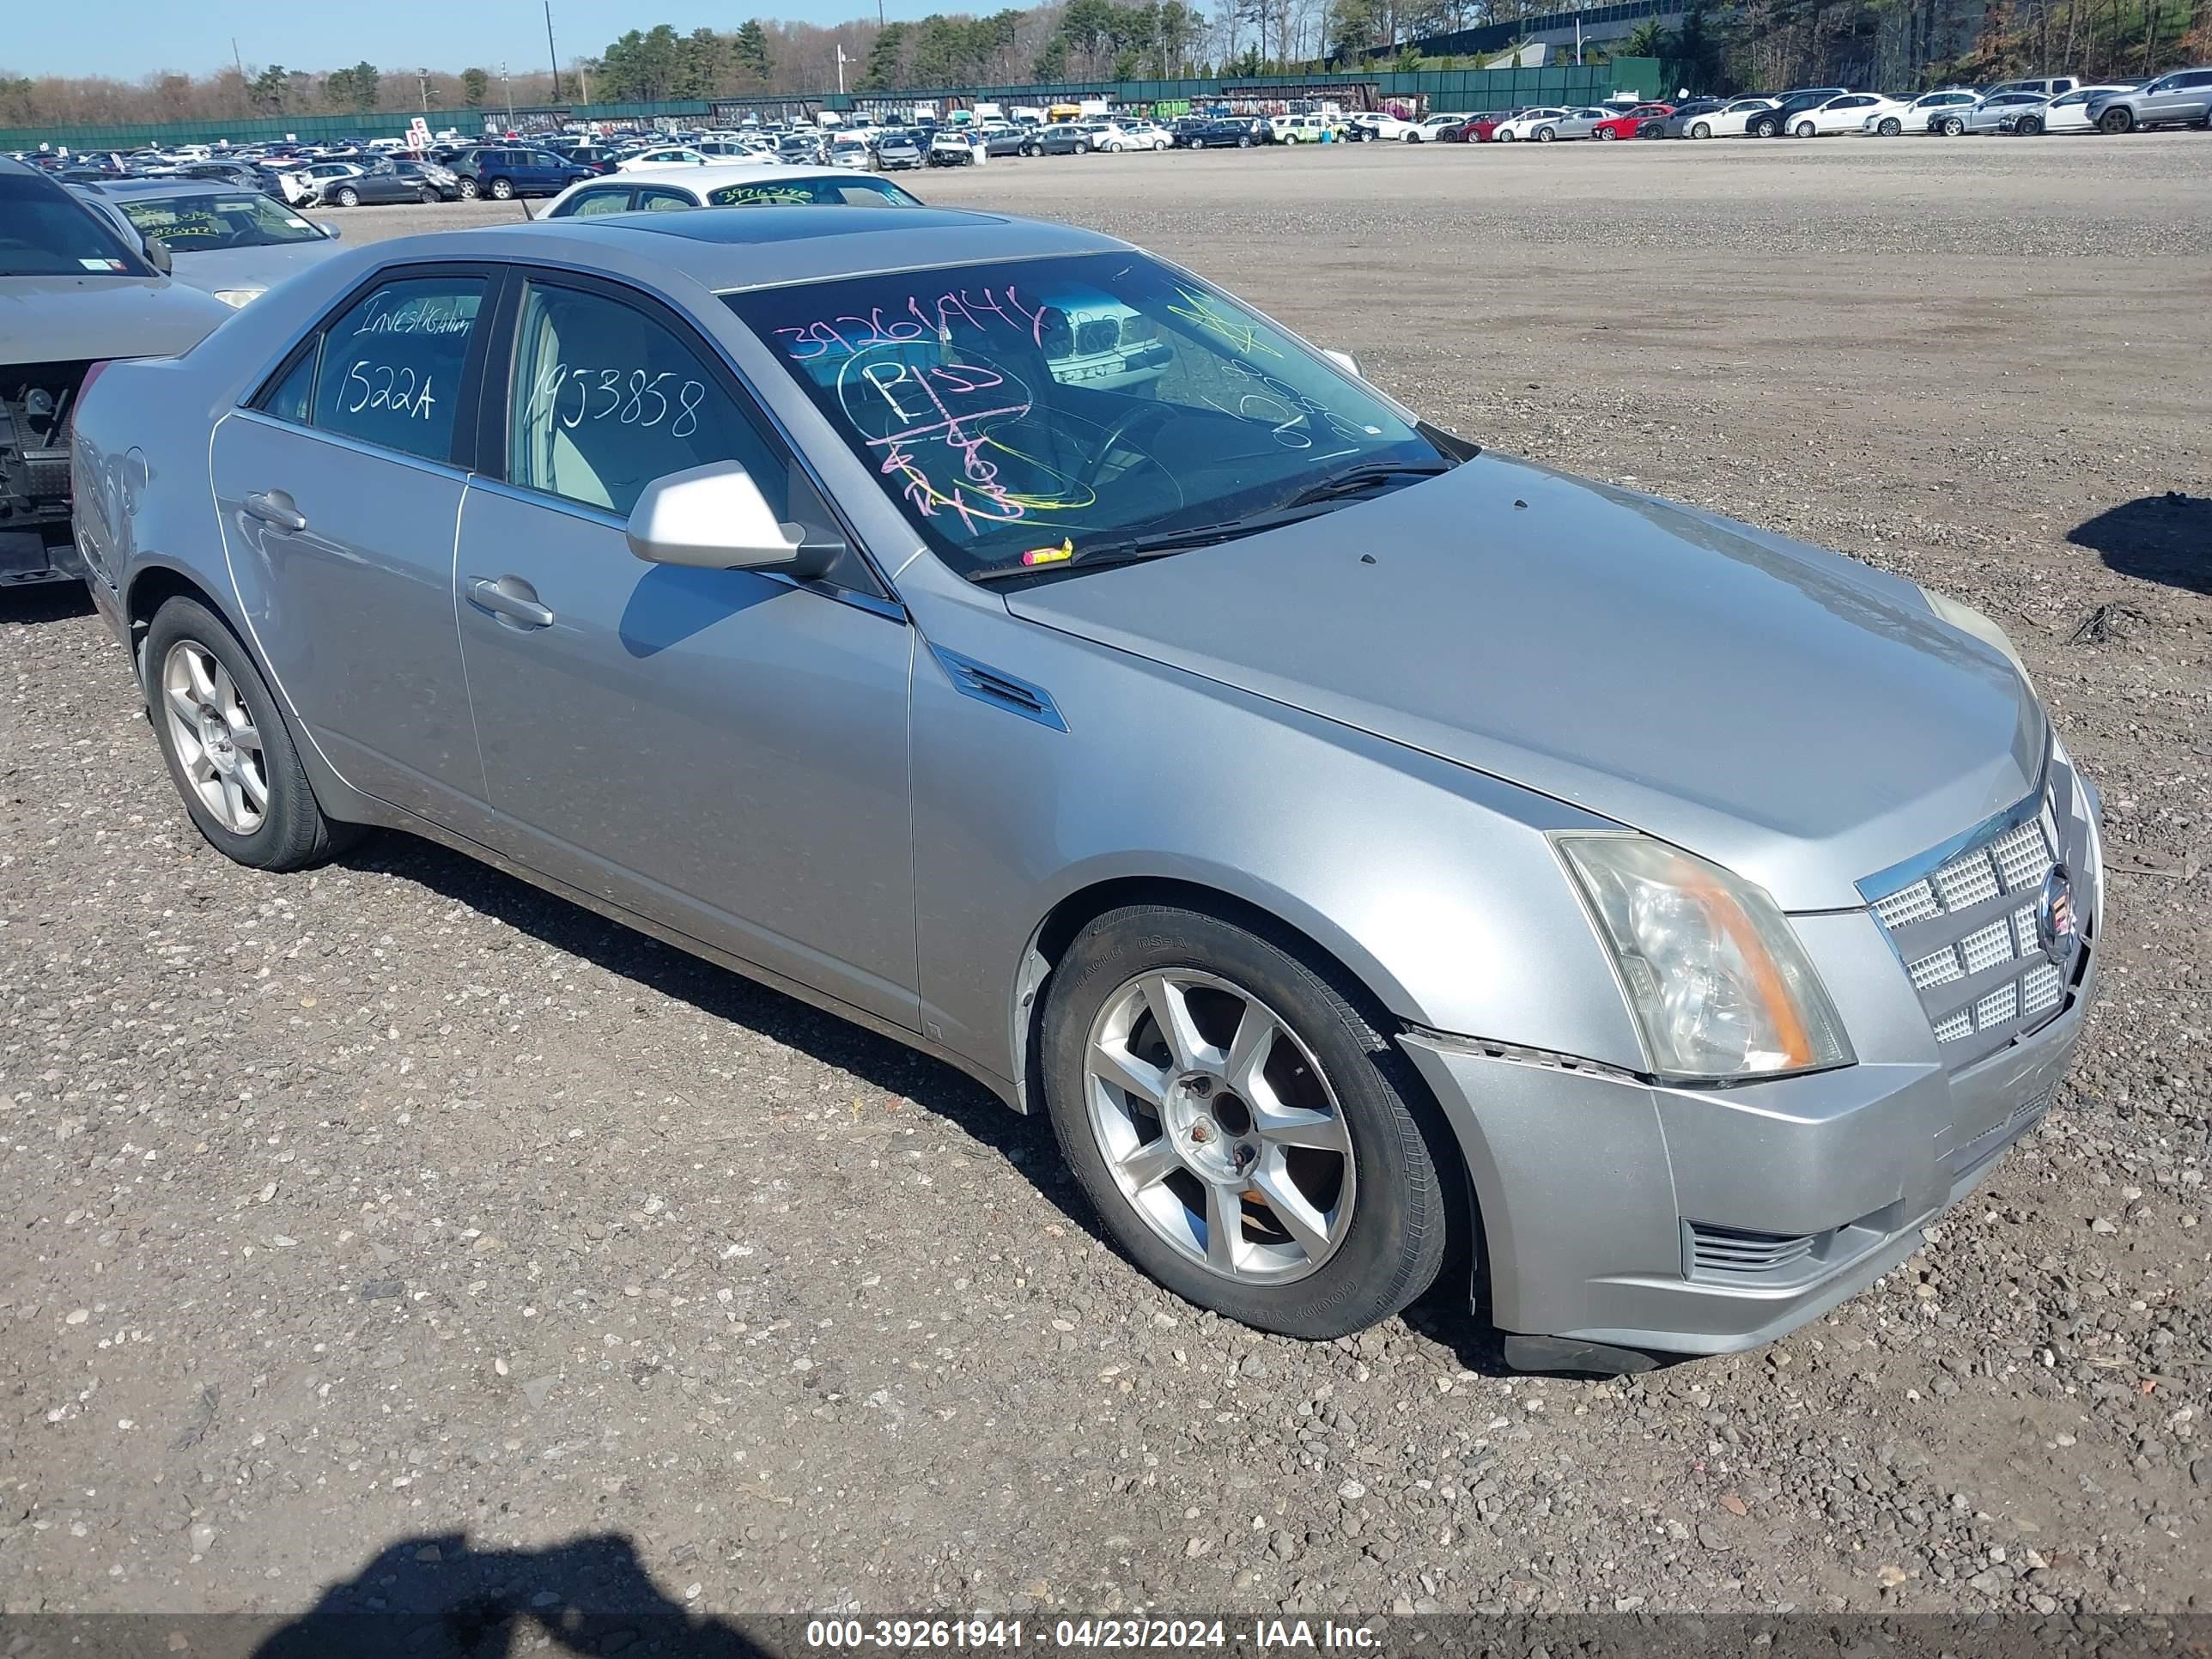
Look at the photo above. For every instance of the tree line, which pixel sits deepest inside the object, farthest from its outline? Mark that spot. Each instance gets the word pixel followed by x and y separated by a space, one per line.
pixel 1727 45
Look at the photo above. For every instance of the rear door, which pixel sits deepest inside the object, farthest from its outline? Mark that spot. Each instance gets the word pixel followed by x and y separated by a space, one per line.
pixel 338 490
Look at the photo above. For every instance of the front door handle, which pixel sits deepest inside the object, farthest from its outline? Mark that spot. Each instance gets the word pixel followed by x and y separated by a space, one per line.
pixel 512 597
pixel 274 506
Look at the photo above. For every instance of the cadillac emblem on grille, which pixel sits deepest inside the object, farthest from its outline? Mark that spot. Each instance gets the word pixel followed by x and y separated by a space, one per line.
pixel 2054 917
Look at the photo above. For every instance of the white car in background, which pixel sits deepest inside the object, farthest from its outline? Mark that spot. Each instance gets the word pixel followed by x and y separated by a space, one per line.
pixel 1114 138
pixel 1539 125
pixel 1847 112
pixel 665 155
pixel 1148 135
pixel 1716 118
pixel 1922 113
pixel 1379 124
pixel 2069 110
pixel 1433 129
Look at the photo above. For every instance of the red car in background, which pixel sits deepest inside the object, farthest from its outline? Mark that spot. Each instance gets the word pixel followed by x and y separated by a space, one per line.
pixel 1629 122
pixel 1478 130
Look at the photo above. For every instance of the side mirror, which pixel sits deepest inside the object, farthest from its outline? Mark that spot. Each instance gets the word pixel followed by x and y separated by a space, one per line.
pixel 715 518
pixel 329 230
pixel 157 254
pixel 1345 360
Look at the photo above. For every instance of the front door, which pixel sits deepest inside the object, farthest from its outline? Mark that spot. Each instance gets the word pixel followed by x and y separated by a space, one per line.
pixel 338 493
pixel 723 750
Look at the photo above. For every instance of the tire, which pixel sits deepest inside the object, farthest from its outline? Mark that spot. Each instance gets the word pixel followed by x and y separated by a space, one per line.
pixel 292 832
pixel 426 196
pixel 470 190
pixel 2117 121
pixel 1701 130
pixel 1504 135
pixel 1889 126
pixel 1245 141
pixel 1377 1258
pixel 1414 137
pixel 1159 145
pixel 1807 130
pixel 348 198
pixel 1606 132
pixel 1545 135
pixel 503 190
pixel 1950 126
pixel 1082 146
pixel 1761 127
pixel 2028 126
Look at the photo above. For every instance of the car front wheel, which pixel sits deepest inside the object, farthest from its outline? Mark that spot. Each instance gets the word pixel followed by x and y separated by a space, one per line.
pixel 1702 130
pixel 426 196
pixel 1806 130
pixel 1606 132
pixel 1950 126
pixel 1545 135
pixel 1248 1135
pixel 1890 126
pixel 1762 129
pixel 2116 120
pixel 2028 126
pixel 229 750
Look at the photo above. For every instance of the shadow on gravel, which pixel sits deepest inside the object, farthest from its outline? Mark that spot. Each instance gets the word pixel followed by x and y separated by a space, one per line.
pixel 433 1597
pixel 1026 1142
pixel 44 602
pixel 2161 539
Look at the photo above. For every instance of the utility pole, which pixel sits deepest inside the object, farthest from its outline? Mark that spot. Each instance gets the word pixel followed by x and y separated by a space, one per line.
pixel 841 67
pixel 1578 40
pixel 507 80
pixel 236 59
pixel 552 57
pixel 422 82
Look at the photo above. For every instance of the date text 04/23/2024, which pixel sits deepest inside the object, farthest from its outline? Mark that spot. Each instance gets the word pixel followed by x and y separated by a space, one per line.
pixel 1156 1634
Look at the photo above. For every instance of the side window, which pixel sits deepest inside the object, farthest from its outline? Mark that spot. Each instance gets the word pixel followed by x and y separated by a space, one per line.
pixel 605 399
pixel 590 202
pixel 391 365
pixel 288 395
pixel 663 201
pixel 867 192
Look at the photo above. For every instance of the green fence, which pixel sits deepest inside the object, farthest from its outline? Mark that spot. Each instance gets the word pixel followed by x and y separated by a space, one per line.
pixel 1471 90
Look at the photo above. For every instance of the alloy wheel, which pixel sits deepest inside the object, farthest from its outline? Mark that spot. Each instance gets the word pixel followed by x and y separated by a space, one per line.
pixel 1219 1127
pixel 214 737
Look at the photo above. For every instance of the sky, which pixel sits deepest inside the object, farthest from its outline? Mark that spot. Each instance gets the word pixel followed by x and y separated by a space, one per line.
pixel 126 40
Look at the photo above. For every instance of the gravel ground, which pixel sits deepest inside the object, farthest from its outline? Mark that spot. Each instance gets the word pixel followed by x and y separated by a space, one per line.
pixel 359 1210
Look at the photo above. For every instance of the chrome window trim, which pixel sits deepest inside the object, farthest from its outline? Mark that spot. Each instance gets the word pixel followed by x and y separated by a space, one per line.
pixel 339 440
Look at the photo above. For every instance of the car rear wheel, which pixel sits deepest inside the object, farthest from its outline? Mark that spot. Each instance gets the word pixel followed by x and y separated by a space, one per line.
pixel 470 190
pixel 349 198
pixel 1244 141
pixel 1701 130
pixel 1081 145
pixel 503 190
pixel 1806 130
pixel 1248 1135
pixel 2122 119
pixel 1890 126
pixel 229 750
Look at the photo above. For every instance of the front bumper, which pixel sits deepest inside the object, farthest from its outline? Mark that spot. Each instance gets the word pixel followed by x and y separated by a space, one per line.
pixel 1637 1215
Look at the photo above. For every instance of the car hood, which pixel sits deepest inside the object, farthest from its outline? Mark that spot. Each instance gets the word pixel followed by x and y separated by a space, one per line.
pixel 250 267
pixel 1803 719
pixel 54 319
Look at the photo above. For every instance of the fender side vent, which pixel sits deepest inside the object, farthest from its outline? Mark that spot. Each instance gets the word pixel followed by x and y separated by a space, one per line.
pixel 987 684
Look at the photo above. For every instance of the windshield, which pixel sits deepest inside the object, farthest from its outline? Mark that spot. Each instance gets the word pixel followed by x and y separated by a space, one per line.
pixel 1058 402
pixel 45 232
pixel 205 223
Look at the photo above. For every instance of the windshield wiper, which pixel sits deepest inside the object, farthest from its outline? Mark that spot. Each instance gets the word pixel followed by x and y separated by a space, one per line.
pixel 1364 477
pixel 1135 549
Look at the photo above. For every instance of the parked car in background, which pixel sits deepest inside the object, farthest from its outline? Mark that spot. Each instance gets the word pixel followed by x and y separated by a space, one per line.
pixel 1381 125
pixel 850 153
pixel 224 240
pixel 2183 98
pixel 1921 114
pixel 1995 113
pixel 1431 129
pixel 1631 123
pixel 77 291
pixel 1787 106
pixel 2069 110
pixel 1010 141
pixel 953 147
pixel 1147 135
pixel 1525 125
pixel 395 181
pixel 1846 112
pixel 896 151
pixel 1480 129
pixel 663 155
pixel 1063 138
pixel 1226 132
pixel 2049 85
pixel 504 172
pixel 725 184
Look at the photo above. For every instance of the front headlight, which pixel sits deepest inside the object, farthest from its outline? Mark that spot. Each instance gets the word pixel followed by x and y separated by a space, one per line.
pixel 1967 620
pixel 237 297
pixel 1710 967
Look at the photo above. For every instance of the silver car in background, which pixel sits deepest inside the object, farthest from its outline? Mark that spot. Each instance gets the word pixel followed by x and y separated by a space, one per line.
pixel 225 240
pixel 2183 98
pixel 1368 851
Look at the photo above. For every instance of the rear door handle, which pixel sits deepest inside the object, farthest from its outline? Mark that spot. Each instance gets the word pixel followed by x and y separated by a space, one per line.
pixel 512 597
pixel 274 506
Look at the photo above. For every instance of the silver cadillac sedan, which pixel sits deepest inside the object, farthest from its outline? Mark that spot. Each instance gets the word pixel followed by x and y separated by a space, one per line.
pixel 1370 851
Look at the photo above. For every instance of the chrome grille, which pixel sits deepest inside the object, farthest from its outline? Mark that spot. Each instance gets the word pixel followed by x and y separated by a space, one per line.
pixel 1720 1250
pixel 1967 932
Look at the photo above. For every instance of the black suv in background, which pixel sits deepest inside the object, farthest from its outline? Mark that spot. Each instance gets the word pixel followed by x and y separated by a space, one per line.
pixel 503 171
pixel 1230 131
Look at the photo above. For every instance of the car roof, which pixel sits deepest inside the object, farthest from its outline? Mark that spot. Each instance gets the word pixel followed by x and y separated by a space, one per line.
pixel 712 175
pixel 770 246
pixel 177 186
